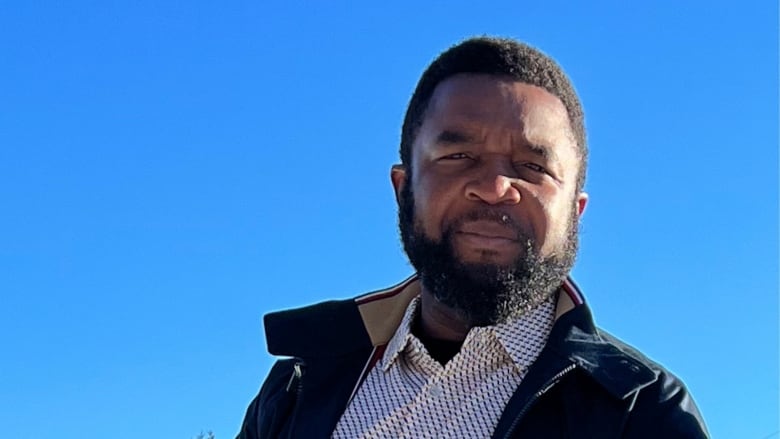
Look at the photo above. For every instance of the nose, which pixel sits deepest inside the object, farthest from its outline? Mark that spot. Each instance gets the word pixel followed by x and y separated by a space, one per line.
pixel 494 186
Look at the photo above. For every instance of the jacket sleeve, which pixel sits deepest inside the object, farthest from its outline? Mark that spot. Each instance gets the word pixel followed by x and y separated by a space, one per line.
pixel 665 409
pixel 268 411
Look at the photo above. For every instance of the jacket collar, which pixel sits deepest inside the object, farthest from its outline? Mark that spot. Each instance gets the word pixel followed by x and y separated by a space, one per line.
pixel 369 321
pixel 383 310
pixel 340 326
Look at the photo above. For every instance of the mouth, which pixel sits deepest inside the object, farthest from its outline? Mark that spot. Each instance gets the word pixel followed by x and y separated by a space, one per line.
pixel 485 235
pixel 485 229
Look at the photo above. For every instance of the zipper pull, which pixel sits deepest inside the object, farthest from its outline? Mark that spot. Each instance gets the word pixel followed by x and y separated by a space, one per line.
pixel 296 375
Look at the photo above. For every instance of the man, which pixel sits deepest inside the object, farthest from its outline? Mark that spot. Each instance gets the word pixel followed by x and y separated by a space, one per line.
pixel 490 338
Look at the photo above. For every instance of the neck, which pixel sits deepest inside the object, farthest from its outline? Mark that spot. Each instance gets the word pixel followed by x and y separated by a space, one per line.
pixel 439 321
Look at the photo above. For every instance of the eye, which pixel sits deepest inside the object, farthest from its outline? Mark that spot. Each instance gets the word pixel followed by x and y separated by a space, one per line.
pixel 456 156
pixel 534 167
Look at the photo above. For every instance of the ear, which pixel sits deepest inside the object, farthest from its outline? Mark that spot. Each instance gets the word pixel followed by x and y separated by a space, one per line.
pixel 582 201
pixel 398 178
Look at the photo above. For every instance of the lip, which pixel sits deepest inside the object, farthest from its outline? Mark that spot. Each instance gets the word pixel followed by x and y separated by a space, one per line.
pixel 483 243
pixel 488 230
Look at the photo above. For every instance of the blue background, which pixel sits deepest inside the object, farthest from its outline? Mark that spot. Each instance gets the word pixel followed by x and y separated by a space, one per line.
pixel 171 171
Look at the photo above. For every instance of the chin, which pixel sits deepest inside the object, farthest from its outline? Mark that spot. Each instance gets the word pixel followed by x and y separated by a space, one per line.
pixel 488 258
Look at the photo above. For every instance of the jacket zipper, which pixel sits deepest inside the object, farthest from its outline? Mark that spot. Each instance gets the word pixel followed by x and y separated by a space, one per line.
pixel 547 386
pixel 297 375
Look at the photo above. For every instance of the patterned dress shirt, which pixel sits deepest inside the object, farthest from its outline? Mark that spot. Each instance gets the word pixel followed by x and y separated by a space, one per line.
pixel 408 394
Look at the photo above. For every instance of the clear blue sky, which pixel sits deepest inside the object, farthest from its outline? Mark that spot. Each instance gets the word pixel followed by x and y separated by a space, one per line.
pixel 171 171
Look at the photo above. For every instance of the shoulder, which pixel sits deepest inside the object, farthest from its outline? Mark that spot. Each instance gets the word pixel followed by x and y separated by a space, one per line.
pixel 663 407
pixel 656 402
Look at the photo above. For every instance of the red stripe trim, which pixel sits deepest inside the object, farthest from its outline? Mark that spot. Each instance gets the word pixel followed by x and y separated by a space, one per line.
pixel 379 295
pixel 573 292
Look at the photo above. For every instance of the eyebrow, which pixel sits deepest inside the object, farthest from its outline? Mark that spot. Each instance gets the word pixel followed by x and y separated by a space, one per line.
pixel 542 151
pixel 454 137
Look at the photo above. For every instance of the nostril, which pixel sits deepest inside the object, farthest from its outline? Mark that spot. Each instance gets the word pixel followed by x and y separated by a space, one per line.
pixel 498 190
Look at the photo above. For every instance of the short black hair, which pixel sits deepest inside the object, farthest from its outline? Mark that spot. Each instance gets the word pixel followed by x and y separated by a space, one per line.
pixel 502 57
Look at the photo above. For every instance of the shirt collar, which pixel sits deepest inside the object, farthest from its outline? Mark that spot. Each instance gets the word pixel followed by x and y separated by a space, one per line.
pixel 522 338
pixel 402 335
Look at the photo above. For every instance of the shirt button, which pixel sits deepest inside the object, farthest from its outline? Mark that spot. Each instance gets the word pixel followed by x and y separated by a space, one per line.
pixel 436 391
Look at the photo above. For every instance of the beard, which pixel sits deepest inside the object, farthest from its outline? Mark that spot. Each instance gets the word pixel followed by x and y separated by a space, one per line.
pixel 484 294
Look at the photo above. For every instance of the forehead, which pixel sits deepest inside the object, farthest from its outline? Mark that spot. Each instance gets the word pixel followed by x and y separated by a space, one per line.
pixel 500 102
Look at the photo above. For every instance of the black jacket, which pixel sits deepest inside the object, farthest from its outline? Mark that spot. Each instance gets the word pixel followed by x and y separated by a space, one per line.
pixel 585 383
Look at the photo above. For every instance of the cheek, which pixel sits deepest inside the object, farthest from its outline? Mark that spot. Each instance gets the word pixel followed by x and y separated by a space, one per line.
pixel 427 214
pixel 548 216
pixel 557 216
pixel 535 211
pixel 435 207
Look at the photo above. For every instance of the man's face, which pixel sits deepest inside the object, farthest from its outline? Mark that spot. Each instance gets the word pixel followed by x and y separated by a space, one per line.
pixel 489 209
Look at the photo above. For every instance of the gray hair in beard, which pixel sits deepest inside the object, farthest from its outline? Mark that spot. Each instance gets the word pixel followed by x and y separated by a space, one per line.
pixel 484 294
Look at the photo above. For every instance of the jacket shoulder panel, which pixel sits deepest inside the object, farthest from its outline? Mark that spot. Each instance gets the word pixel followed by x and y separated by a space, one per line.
pixel 666 409
pixel 620 368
